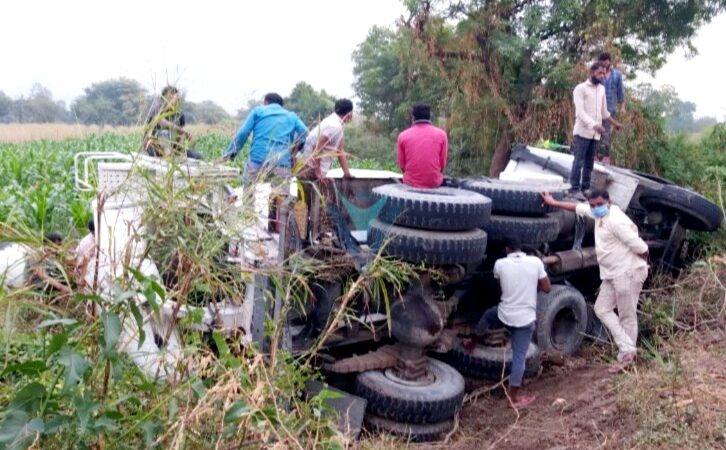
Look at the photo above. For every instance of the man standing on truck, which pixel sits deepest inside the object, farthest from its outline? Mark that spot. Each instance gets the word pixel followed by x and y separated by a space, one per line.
pixel 520 276
pixel 422 150
pixel 165 126
pixel 615 95
pixel 623 259
pixel 275 132
pixel 590 113
pixel 323 143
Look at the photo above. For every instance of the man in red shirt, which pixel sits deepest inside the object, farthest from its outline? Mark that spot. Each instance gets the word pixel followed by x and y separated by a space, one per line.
pixel 422 150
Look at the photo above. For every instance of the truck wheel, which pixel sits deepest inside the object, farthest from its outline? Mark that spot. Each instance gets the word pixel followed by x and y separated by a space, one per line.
pixel 561 320
pixel 491 362
pixel 529 230
pixel 596 331
pixel 410 431
pixel 515 198
pixel 696 212
pixel 413 402
pixel 443 208
pixel 431 247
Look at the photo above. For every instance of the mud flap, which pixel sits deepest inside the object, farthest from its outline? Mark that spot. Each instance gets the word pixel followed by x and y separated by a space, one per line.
pixel 349 409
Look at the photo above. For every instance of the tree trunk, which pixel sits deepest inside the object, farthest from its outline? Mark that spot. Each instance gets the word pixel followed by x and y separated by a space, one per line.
pixel 501 153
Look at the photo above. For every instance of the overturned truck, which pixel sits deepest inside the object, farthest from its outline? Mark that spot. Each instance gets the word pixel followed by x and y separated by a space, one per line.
pixel 399 362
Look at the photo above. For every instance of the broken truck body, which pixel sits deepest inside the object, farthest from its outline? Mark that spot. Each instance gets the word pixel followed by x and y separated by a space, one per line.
pixel 411 377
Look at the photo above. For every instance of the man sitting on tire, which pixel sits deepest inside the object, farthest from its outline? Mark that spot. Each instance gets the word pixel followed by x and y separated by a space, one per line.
pixel 623 259
pixel 422 150
pixel 520 276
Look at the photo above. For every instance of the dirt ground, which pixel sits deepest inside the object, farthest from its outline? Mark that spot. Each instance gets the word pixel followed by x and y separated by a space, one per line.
pixel 675 399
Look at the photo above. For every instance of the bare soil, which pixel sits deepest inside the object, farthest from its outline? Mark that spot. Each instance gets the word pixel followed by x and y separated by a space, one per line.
pixel 677 403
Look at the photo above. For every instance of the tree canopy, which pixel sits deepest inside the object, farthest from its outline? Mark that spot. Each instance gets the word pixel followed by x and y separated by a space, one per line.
pixel 502 71
pixel 310 105
pixel 120 101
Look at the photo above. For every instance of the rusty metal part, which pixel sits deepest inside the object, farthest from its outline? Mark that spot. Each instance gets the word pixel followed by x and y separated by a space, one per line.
pixel 496 338
pixel 571 260
pixel 453 274
pixel 446 342
pixel 383 358
pixel 412 363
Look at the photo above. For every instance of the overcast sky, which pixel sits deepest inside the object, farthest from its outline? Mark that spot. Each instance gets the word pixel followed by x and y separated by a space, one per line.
pixel 230 52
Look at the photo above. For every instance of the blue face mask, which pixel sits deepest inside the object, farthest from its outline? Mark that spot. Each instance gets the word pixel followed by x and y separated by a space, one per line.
pixel 600 211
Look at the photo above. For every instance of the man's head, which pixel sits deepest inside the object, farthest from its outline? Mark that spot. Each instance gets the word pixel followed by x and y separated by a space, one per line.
pixel 170 94
pixel 275 98
pixel 344 109
pixel 605 59
pixel 421 111
pixel 597 72
pixel 53 239
pixel 512 244
pixel 599 201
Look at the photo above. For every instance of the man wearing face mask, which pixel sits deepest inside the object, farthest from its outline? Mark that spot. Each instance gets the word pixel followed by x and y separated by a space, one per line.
pixel 623 259
pixel 590 113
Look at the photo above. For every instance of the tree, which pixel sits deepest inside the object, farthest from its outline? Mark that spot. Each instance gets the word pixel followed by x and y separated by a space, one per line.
pixel 204 112
pixel 310 105
pixel 112 102
pixel 38 107
pixel 502 71
pixel 6 108
pixel 676 115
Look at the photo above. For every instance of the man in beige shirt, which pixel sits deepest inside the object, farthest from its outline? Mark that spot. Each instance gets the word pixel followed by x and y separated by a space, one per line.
pixel 591 110
pixel 622 256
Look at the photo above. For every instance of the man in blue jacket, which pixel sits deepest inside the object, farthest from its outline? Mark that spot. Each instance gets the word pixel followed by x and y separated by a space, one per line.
pixel 275 132
pixel 615 96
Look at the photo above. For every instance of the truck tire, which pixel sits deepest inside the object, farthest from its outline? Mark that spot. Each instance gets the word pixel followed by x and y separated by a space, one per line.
pixel 410 432
pixel 596 331
pixel 414 403
pixel 490 362
pixel 514 198
pixel 442 208
pixel 696 212
pixel 431 247
pixel 529 230
pixel 561 320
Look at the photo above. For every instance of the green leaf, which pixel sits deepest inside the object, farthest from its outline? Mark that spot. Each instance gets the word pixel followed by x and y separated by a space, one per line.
pixel 224 354
pixel 75 366
pixel 198 388
pixel 105 423
pixel 28 399
pixel 85 408
pixel 56 423
pixel 239 409
pixel 56 343
pixel 18 430
pixel 136 312
pixel 111 331
pixel 30 368
pixel 151 429
pixel 52 322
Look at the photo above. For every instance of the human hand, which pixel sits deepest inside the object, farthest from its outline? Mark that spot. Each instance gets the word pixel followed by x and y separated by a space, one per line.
pixel 223 160
pixel 547 198
pixel 347 175
pixel 598 129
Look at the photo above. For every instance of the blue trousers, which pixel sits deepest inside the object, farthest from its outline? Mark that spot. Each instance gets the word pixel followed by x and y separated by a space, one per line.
pixel 521 337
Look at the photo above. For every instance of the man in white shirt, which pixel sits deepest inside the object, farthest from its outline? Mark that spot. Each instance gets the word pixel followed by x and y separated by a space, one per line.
pixel 520 276
pixel 591 110
pixel 328 140
pixel 322 143
pixel 623 259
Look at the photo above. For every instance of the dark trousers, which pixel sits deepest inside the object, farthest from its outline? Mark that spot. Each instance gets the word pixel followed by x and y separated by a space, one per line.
pixel 521 337
pixel 584 151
